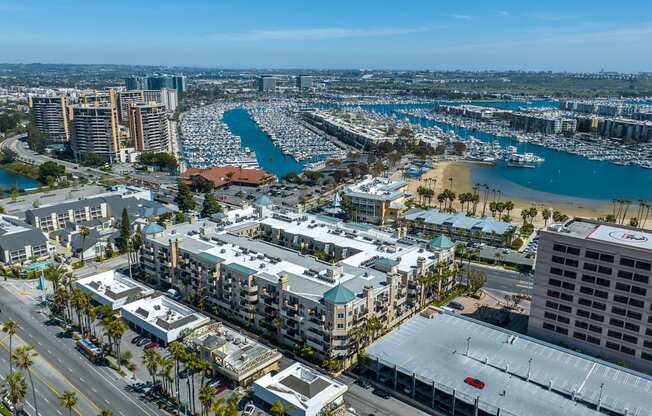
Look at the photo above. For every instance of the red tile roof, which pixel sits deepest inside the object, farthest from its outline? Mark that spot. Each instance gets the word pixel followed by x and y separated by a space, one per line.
pixel 217 175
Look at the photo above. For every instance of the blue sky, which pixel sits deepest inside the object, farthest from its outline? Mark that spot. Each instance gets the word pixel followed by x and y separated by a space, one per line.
pixel 570 35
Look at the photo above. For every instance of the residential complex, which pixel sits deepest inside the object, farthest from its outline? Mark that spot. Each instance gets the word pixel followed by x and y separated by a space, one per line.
pixel 354 129
pixel 375 200
pixel 428 360
pixel 51 116
pixel 148 127
pixel 20 241
pixel 95 131
pixel 546 122
pixel 459 227
pixel 233 354
pixel 303 391
pixel 277 284
pixel 102 207
pixel 592 290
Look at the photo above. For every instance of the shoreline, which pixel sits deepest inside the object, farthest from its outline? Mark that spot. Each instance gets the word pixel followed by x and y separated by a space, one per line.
pixel 439 178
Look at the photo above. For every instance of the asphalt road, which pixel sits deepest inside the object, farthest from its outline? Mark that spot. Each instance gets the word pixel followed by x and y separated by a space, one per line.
pixel 96 387
pixel 504 280
pixel 366 403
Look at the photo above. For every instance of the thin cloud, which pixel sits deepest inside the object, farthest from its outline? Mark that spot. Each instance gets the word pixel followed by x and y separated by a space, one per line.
pixel 315 34
pixel 461 16
pixel 619 35
pixel 503 13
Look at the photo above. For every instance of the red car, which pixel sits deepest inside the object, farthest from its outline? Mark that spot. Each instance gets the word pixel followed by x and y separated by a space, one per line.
pixel 474 382
pixel 151 345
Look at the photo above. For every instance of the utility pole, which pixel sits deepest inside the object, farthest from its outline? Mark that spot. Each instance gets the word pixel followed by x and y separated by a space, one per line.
pixel 468 345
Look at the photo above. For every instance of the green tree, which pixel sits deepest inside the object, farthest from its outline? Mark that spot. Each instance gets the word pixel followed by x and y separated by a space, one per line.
pixel 16 388
pixel 50 169
pixel 105 412
pixel 24 360
pixel 476 279
pixel 210 206
pixel 116 330
pixel 184 199
pixel 125 232
pixel 84 232
pixel 68 400
pixel 278 409
pixel 206 399
pixel 10 327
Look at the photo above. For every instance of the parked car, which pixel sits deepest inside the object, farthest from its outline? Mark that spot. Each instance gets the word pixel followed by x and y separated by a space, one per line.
pixel 474 382
pixel 362 383
pixel 456 305
pixel 151 345
pixel 382 393
pixel 249 409
pixel 143 341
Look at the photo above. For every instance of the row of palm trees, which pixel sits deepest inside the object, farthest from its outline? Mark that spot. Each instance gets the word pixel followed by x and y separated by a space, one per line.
pixel 77 308
pixel 165 373
pixel 15 385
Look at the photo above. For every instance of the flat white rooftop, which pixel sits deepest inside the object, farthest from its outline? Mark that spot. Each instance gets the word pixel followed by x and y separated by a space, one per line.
pixel 302 387
pixel 112 285
pixel 165 314
pixel 605 232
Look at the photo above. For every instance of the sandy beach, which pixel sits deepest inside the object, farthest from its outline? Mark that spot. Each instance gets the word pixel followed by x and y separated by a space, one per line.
pixel 439 178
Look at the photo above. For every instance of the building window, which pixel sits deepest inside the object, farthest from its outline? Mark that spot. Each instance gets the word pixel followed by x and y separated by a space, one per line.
pixel 607 258
pixel 579 335
pixel 554 282
pixel 592 254
pixel 573 250
pixel 643 265
pixel 548 326
pixel 581 324
pixel 559 247
pixel 556 270
pixel 570 274
pixel 614 334
pixel 624 261
pixel 605 270
pixel 591 267
pixel 632 327
pixel 593 340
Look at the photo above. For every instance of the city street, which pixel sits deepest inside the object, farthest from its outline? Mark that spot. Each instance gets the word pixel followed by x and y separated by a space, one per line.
pixel 96 387
pixel 505 281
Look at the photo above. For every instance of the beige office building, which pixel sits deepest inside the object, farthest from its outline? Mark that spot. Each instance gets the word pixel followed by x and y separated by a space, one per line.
pixel 592 291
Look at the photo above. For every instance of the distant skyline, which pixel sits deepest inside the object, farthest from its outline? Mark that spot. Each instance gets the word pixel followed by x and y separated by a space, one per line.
pixel 574 36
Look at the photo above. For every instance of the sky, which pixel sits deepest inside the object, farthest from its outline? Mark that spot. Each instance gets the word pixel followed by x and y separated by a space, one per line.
pixel 569 35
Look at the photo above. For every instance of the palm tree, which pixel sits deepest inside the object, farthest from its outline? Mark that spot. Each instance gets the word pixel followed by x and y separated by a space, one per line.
pixel 23 356
pixel 277 409
pixel 178 352
pixel 206 399
pixel 16 388
pixel 218 407
pixel 10 327
pixel 105 412
pixel 152 360
pixel 68 400
pixel 83 232
pixel 116 330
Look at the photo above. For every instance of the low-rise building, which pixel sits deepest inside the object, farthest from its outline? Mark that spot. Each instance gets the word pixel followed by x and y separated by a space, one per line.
pixel 102 207
pixel 221 176
pixel 302 391
pixel 459 227
pixel 162 319
pixel 452 364
pixel 232 354
pixel 20 241
pixel 375 200
pixel 113 288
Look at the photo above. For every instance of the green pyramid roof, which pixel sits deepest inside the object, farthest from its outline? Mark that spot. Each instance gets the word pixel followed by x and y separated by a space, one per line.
pixel 441 242
pixel 339 295
pixel 263 200
pixel 153 228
